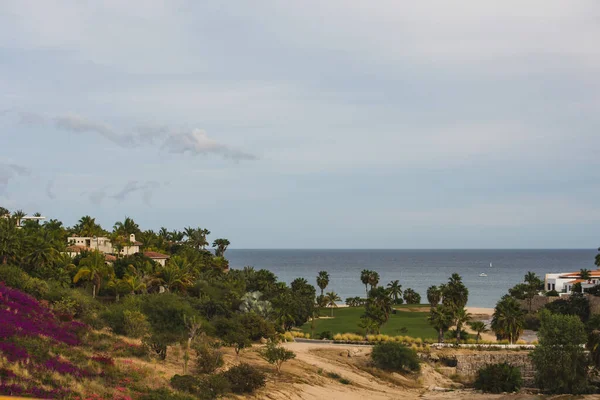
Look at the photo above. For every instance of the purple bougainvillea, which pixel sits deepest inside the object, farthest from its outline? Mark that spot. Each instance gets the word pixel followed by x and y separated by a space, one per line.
pixel 13 352
pixel 65 367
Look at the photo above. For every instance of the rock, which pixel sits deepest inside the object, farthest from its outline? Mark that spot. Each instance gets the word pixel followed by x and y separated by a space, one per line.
pixel 438 389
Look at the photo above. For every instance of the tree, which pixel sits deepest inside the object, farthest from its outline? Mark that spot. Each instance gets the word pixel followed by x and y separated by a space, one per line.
pixel 332 299
pixel 440 318
pixel 434 295
pixel 395 290
pixel 196 237
pixel 411 297
pixel 276 355
pixel 478 327
pixel 220 246
pixel 373 279
pixel 126 228
pixel 322 280
pixel 364 278
pixel 92 268
pixel 393 356
pixel 585 274
pixel 461 317
pixel 380 300
pixel 455 294
pixel 597 260
pixel 560 359
pixel 87 227
pixel 10 242
pixel 508 319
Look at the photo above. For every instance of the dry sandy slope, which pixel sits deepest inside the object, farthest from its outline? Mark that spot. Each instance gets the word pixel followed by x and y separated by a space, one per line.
pixel 305 379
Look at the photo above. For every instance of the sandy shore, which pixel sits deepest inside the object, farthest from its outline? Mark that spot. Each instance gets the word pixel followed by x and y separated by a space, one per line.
pixel 479 311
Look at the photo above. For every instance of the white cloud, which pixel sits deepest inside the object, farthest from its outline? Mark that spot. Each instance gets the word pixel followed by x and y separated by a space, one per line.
pixel 197 142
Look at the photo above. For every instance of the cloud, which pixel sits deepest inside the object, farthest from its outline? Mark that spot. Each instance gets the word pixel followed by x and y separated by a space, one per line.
pixel 9 172
pixel 197 142
pixel 146 188
pixel 50 190
pixel 79 124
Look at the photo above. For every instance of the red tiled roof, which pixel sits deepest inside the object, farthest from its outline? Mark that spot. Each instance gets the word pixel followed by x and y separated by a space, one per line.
pixel 110 258
pixel 154 254
pixel 77 249
pixel 593 274
pixel 578 281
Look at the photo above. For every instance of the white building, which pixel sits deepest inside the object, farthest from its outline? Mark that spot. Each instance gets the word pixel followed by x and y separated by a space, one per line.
pixel 563 282
pixel 157 257
pixel 101 244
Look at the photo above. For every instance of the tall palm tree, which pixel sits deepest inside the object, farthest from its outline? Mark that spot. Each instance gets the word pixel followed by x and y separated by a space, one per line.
pixel 18 215
pixel 478 327
pixel 440 318
pixel 461 317
pixel 380 299
pixel 220 246
pixel 322 280
pixel 127 227
pixel 364 277
pixel 508 319
pixel 585 274
pixel 196 237
pixel 434 295
pixel 92 268
pixel 373 279
pixel 395 290
pixel 332 299
pixel 10 242
pixel 87 226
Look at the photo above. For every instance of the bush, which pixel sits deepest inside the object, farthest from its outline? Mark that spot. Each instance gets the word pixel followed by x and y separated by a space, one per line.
pixel 394 356
pixel 135 324
pixel 164 394
pixel 244 378
pixel 276 354
pixel 185 383
pixel 552 293
pixel 209 358
pixel 499 378
pixel 326 335
pixel 213 386
pixel 532 322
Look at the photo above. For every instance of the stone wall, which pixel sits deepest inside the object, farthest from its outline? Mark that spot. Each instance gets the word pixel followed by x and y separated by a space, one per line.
pixel 468 365
pixel 538 302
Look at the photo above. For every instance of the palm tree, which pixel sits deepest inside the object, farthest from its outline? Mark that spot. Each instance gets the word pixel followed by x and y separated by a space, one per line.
pixel 508 319
pixel 478 327
pixel 18 215
pixel 332 299
pixel 127 227
pixel 92 268
pixel 461 317
pixel 364 277
pixel 87 226
pixel 440 318
pixel 585 274
pixel 380 299
pixel 373 279
pixel 322 280
pixel 221 246
pixel 434 295
pixel 174 278
pixel 395 290
pixel 455 293
pixel 9 239
pixel 196 237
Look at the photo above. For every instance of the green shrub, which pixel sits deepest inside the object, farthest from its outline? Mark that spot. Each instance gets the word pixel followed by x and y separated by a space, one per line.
pixel 16 278
pixel 326 335
pixel 244 378
pixel 532 322
pixel 164 394
pixel 208 358
pixel 185 383
pixel 276 355
pixel 135 324
pixel 552 293
pixel 213 386
pixel 395 356
pixel 499 378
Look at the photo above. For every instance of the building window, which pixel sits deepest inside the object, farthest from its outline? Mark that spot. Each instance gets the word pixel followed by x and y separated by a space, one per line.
pixel 549 286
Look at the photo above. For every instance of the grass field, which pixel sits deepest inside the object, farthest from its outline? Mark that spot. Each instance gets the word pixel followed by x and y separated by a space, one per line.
pixel 346 320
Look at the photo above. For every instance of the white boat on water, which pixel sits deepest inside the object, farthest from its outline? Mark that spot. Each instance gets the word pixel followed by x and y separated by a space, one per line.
pixel 490 265
pixel 482 274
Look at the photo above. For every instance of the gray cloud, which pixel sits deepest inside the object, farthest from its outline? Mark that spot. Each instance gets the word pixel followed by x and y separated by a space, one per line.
pixel 79 124
pixel 146 188
pixel 197 142
pixel 9 172
pixel 50 190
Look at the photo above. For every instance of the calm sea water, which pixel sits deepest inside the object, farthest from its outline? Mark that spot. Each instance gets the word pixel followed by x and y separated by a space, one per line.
pixel 417 269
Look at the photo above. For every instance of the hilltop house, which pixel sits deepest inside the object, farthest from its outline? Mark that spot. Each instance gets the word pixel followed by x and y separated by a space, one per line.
pixel 157 257
pixel 563 282
pixel 101 244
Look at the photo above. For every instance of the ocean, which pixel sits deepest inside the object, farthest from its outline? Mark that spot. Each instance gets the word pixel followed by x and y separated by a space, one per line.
pixel 417 269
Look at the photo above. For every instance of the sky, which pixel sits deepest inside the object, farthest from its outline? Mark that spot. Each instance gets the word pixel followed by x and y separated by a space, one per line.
pixel 309 124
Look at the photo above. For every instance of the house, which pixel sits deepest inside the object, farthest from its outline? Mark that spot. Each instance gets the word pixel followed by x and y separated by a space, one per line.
pixel 103 245
pixel 563 282
pixel 157 257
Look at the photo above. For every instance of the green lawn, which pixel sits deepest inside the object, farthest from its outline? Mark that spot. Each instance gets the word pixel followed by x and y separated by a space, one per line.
pixel 346 320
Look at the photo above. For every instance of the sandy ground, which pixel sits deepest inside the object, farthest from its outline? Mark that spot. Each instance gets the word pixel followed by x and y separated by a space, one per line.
pixel 305 378
pixel 480 311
